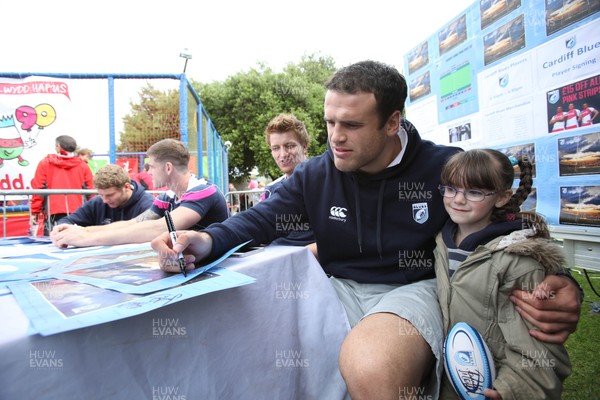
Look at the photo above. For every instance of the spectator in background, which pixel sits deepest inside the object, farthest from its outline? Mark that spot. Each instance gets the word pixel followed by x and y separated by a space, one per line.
pixel 119 199
pixel 253 184
pixel 59 171
pixel 84 154
pixel 233 200
pixel 145 178
pixel 253 198
pixel 192 202
pixel 288 139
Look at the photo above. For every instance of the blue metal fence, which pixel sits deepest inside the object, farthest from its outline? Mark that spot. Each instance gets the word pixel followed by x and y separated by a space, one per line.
pixel 204 137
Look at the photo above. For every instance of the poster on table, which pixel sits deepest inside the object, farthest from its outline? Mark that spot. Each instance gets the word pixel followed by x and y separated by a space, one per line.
pixel 136 272
pixel 58 305
pixel 112 284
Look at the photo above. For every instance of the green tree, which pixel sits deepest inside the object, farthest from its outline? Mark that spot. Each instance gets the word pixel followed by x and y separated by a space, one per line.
pixel 154 118
pixel 240 108
pixel 242 105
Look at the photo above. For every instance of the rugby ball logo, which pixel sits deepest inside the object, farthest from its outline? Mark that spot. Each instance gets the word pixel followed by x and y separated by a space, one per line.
pixel 468 362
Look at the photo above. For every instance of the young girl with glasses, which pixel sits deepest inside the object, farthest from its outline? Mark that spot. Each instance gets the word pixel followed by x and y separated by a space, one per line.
pixel 487 248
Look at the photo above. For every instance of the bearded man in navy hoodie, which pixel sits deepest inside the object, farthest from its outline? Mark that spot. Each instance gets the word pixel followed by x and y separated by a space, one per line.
pixel 119 199
pixel 373 203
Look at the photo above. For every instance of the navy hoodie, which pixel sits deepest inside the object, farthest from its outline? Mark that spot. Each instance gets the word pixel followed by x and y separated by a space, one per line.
pixel 377 228
pixel 95 212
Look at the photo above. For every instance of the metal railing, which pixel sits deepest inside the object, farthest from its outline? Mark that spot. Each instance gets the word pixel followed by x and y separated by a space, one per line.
pixel 24 206
pixel 240 200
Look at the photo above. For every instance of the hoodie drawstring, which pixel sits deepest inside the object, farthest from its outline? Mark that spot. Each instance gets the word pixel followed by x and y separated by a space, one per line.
pixel 379 217
pixel 358 225
pixel 379 213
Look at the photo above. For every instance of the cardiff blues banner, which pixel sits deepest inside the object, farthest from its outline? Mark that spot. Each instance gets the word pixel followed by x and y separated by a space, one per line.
pixel 520 76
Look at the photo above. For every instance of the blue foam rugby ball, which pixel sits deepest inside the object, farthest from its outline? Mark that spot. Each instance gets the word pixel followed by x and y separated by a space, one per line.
pixel 468 361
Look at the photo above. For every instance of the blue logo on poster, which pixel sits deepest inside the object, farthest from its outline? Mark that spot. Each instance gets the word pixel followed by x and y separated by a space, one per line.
pixel 503 81
pixel 553 96
pixel 571 42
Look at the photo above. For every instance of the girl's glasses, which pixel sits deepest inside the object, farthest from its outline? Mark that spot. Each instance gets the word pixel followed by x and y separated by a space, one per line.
pixel 471 194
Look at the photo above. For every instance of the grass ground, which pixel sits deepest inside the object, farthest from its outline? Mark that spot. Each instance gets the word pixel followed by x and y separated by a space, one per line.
pixel 584 346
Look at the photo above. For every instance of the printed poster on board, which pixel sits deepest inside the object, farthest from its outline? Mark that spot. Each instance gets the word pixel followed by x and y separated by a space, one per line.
pixel 34 111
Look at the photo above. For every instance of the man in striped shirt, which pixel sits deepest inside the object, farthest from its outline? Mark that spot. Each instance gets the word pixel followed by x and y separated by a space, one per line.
pixel 193 203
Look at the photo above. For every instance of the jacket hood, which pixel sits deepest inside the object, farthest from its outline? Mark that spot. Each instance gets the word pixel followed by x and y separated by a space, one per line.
pixel 544 251
pixel 510 237
pixel 64 162
pixel 137 193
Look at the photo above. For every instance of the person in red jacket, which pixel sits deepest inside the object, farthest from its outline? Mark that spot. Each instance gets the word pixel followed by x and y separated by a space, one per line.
pixel 144 178
pixel 59 171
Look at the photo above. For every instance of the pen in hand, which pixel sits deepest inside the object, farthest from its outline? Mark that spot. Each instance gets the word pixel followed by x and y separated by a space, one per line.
pixel 173 234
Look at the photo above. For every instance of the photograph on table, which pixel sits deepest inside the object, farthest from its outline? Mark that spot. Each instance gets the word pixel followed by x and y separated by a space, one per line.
pixel 492 10
pixel 580 205
pixel 75 298
pixel 95 258
pixel 562 13
pixel 137 273
pixel 507 39
pixel 58 305
pixel 574 106
pixel 579 155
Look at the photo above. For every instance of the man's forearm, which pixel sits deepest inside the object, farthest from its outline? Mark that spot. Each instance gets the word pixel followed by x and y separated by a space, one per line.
pixel 128 233
pixel 109 227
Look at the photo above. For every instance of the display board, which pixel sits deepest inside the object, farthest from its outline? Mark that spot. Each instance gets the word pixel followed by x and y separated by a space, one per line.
pixel 523 77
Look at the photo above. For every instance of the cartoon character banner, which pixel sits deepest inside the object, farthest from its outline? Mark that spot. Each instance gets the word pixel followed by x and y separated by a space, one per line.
pixel 33 112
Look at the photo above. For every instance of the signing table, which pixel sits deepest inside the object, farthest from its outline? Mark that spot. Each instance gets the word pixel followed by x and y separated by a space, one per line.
pixel 276 338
